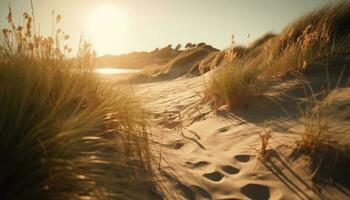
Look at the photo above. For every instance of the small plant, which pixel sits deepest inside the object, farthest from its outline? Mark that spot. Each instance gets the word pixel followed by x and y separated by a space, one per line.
pixel 234 86
pixel 324 135
pixel 316 122
pixel 264 136
pixel 319 132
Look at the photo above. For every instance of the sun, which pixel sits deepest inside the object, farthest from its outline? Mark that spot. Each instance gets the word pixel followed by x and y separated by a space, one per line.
pixel 107 28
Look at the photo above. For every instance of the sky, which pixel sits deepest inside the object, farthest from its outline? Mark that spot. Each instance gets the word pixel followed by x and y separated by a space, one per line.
pixel 122 26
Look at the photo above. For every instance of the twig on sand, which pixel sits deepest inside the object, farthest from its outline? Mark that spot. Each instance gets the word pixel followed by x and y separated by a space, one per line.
pixel 180 128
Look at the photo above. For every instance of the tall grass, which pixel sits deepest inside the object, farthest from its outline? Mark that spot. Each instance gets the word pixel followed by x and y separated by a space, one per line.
pixel 315 38
pixel 322 130
pixel 324 136
pixel 64 133
pixel 234 86
pixel 316 121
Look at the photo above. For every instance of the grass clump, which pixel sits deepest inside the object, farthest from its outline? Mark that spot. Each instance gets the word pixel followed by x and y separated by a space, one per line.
pixel 234 86
pixel 314 39
pixel 324 136
pixel 316 124
pixel 322 129
pixel 65 134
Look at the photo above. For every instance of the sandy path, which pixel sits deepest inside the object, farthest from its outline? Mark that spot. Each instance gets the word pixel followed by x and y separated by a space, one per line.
pixel 216 156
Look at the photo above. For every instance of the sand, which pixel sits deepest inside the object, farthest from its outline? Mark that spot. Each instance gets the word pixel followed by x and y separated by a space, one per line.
pixel 216 155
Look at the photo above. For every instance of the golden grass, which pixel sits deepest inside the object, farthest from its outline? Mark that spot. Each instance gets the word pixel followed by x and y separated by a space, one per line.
pixel 209 62
pixel 316 37
pixel 264 137
pixel 324 136
pixel 321 129
pixel 66 134
pixel 316 124
pixel 233 85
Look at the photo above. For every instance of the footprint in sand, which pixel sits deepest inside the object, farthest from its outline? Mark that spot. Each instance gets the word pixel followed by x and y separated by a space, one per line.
pixel 224 129
pixel 256 191
pixel 230 170
pixel 178 145
pixel 175 145
pixel 197 164
pixel 242 158
pixel 214 176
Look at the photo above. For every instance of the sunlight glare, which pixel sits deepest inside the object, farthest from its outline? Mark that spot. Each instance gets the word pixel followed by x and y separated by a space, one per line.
pixel 112 71
pixel 106 28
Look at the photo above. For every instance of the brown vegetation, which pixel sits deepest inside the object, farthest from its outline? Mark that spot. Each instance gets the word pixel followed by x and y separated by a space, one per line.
pixel 65 134
pixel 317 37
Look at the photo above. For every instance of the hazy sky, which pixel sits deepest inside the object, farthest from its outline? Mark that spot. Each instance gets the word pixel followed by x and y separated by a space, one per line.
pixel 120 26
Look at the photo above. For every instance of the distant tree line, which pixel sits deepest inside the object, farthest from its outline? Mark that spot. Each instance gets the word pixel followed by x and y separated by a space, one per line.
pixel 178 47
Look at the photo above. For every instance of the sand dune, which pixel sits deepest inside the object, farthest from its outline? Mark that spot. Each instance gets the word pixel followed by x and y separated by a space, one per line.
pixel 215 155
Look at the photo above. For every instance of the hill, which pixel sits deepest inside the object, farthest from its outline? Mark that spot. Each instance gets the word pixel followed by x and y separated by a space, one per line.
pixel 159 56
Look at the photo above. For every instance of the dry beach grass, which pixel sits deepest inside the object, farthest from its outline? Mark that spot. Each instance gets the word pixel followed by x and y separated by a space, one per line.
pixel 265 121
pixel 65 133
